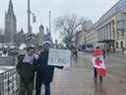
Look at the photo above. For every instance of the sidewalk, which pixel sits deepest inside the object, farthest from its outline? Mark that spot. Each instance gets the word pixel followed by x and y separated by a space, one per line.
pixel 73 81
pixel 120 54
pixel 78 80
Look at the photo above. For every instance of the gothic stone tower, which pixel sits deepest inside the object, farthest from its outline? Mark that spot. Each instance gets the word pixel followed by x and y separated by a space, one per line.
pixel 10 24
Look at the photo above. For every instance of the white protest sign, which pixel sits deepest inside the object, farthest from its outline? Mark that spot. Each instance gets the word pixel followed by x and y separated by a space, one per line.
pixel 60 57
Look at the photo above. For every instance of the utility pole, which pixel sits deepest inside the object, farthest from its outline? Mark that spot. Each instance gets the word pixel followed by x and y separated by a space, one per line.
pixel 29 17
pixel 50 21
pixel 85 38
pixel 29 34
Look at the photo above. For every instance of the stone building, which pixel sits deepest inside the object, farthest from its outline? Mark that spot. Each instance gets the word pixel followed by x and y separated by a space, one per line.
pixel 20 37
pixel 10 24
pixel 111 27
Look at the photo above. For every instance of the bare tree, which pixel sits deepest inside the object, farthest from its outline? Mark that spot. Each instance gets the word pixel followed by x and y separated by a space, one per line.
pixel 68 25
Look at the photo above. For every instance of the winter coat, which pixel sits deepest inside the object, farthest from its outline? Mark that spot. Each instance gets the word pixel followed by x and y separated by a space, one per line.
pixel 25 70
pixel 45 72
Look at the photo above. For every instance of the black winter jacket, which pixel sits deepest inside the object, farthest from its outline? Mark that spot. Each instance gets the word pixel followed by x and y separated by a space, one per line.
pixel 45 72
pixel 25 70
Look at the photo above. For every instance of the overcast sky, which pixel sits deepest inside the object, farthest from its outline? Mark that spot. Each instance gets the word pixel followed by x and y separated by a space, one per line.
pixel 91 9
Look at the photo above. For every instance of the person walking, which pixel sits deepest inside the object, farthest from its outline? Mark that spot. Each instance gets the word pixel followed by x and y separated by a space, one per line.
pixel 45 72
pixel 26 69
pixel 104 53
pixel 75 54
pixel 98 61
pixel 98 64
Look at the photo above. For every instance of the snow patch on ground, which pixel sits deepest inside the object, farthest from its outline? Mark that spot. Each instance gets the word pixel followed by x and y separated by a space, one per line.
pixel 6 68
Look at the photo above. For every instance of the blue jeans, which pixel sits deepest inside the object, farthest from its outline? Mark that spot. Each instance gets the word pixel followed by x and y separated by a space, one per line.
pixel 47 88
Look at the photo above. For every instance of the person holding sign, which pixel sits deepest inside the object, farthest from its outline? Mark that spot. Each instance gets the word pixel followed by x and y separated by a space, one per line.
pixel 45 72
pixel 98 64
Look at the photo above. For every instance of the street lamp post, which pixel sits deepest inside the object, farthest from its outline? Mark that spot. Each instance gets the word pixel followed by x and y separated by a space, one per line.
pixel 29 17
pixel 29 23
pixel 85 38
pixel 29 13
pixel 50 21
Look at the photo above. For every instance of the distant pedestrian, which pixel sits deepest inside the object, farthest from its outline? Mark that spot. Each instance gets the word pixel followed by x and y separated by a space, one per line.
pixel 75 54
pixel 104 53
pixel 26 69
pixel 45 72
pixel 5 52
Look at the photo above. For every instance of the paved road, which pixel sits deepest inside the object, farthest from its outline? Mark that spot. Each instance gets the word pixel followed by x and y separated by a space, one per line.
pixel 78 80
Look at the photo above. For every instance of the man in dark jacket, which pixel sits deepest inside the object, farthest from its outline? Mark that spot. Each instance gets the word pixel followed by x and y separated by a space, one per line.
pixel 25 69
pixel 45 72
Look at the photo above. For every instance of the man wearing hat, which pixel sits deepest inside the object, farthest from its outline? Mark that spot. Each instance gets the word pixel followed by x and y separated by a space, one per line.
pixel 45 72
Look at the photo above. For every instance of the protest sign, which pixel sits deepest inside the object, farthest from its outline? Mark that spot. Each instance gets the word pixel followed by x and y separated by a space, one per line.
pixel 60 57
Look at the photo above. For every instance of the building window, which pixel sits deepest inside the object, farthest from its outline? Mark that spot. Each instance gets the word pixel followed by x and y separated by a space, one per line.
pixel 121 44
pixel 118 35
pixel 121 22
pixel 122 34
pixel 117 45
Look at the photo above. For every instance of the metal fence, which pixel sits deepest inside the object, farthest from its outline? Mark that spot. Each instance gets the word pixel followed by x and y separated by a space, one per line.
pixel 8 83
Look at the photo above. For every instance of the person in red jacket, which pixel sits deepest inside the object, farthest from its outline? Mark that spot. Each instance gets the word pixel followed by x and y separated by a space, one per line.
pixel 97 52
